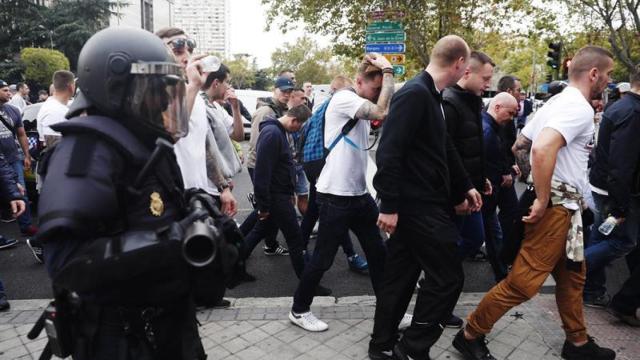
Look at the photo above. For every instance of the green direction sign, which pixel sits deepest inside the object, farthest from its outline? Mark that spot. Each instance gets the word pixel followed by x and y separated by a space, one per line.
pixel 398 69
pixel 385 37
pixel 379 26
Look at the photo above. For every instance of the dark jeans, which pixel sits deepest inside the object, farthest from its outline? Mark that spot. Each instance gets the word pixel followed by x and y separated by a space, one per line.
pixel 311 217
pixel 283 215
pixel 338 215
pixel 507 201
pixel 425 242
pixel 471 234
pixel 250 222
pixel 24 220
pixel 627 300
pixel 493 234
pixel 602 250
pixel 1 289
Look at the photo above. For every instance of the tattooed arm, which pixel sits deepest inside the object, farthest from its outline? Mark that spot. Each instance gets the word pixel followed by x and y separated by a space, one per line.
pixel 378 111
pixel 522 149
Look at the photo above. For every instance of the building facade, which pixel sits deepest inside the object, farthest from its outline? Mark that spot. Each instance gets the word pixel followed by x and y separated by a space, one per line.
pixel 207 22
pixel 150 15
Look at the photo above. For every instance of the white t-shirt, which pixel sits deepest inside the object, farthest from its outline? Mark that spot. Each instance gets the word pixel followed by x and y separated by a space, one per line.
pixel 346 166
pixel 571 115
pixel 18 101
pixel 191 150
pixel 51 112
pixel 222 115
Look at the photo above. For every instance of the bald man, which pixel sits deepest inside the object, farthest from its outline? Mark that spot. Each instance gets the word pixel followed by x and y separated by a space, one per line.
pixel 420 176
pixel 553 243
pixel 498 170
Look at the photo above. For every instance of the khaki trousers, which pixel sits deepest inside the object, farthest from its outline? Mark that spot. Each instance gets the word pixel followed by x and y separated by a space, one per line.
pixel 542 253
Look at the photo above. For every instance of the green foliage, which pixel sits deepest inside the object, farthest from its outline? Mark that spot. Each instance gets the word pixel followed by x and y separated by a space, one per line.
pixel 308 61
pixel 425 21
pixel 262 80
pixel 242 74
pixel 40 64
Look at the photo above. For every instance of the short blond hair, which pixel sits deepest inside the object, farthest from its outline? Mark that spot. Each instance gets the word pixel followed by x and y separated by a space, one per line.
pixel 448 50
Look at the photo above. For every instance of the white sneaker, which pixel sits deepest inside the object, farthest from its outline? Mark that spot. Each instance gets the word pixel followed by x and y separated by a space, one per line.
pixel 405 322
pixel 308 321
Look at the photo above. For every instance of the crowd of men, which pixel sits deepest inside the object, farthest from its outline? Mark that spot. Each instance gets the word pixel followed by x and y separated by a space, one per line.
pixel 447 166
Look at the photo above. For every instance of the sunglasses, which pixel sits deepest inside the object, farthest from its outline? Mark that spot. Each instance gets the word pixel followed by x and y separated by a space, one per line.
pixel 179 45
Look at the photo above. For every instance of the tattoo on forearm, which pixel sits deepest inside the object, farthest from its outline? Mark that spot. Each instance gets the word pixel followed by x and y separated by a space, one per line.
pixel 371 111
pixel 522 150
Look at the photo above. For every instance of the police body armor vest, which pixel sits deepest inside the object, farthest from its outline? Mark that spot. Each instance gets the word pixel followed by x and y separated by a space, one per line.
pixel 87 192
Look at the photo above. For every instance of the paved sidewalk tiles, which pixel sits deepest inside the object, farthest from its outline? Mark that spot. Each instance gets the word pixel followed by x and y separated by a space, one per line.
pixel 258 328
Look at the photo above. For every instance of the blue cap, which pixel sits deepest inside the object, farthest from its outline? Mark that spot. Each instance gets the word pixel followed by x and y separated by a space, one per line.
pixel 284 83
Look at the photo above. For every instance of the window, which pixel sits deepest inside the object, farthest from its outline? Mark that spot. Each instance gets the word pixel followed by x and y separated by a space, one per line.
pixel 147 15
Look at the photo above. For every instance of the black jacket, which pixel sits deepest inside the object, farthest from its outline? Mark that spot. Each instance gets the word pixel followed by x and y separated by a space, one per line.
pixel 418 166
pixel 496 164
pixel 616 167
pixel 464 124
pixel 274 172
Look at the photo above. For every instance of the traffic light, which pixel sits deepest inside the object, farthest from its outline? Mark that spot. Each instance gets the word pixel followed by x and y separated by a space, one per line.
pixel 549 78
pixel 554 55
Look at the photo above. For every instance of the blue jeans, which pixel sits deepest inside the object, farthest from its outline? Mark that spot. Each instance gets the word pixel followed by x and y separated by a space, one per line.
pixel 493 234
pixel 338 215
pixel 602 250
pixel 1 289
pixel 24 220
pixel 471 229
pixel 282 214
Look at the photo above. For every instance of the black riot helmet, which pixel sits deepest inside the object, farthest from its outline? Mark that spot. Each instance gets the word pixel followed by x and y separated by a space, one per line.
pixel 128 74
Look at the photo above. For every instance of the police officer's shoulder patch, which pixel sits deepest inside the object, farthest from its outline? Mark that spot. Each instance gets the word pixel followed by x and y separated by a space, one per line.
pixel 156 206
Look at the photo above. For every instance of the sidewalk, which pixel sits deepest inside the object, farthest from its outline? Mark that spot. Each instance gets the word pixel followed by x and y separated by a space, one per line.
pixel 258 328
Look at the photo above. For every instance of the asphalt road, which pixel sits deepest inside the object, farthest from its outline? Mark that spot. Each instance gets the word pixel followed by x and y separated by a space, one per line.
pixel 23 278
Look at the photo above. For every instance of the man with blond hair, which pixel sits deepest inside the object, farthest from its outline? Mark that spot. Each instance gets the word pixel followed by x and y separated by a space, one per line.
pixel 420 177
pixel 553 244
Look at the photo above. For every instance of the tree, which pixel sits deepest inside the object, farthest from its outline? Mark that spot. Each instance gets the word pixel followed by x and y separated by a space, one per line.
pixel 242 74
pixel 263 80
pixel 40 64
pixel 620 20
pixel 308 61
pixel 425 21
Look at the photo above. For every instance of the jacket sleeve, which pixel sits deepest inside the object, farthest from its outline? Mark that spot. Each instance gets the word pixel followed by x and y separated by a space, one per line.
pixel 267 152
pixel 624 154
pixel 8 181
pixel 460 182
pixel 451 118
pixel 405 113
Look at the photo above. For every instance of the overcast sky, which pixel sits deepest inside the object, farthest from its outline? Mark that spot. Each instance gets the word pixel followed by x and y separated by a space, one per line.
pixel 248 20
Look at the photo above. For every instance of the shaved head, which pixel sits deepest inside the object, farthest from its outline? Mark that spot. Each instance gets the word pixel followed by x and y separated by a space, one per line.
pixel 448 50
pixel 503 107
pixel 587 58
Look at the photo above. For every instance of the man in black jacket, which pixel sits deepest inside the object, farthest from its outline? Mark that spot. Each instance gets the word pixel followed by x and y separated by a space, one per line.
pixel 615 186
pixel 462 104
pixel 274 181
pixel 419 177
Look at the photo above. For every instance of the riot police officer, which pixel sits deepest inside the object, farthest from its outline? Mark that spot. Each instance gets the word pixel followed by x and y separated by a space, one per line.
pixel 113 203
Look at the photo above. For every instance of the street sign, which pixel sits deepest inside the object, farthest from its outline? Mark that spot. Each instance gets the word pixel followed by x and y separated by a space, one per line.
pixel 381 26
pixel 395 59
pixel 385 37
pixel 385 48
pixel 381 15
pixel 398 70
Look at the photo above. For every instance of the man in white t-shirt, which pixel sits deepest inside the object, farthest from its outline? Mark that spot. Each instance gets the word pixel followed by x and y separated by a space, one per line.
pixel 345 204
pixel 560 132
pixel 54 109
pixel 21 98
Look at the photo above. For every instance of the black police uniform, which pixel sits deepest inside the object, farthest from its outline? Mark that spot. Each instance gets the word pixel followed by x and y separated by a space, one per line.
pixel 136 310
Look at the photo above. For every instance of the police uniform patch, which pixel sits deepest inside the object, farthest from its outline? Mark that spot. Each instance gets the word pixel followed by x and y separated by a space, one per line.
pixel 156 206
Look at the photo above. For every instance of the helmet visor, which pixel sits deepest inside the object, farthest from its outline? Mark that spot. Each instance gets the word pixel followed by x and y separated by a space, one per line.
pixel 159 97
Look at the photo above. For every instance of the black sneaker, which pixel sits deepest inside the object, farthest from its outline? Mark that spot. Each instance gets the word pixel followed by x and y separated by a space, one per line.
pixel 36 250
pixel 380 354
pixel 630 318
pixel 475 349
pixel 323 291
pixel 454 322
pixel 4 304
pixel 588 351
pixel 278 250
pixel 400 354
pixel 600 301
pixel 222 304
pixel 7 243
